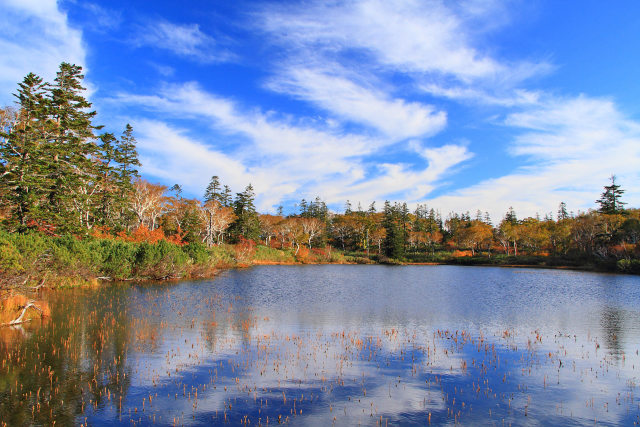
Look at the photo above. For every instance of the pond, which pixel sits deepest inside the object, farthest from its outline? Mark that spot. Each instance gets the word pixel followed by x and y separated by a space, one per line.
pixel 332 344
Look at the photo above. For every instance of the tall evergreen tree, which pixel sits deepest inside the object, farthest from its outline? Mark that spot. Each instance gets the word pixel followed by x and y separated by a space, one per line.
pixel 609 201
pixel 23 169
pixel 510 216
pixel 107 181
pixel 394 242
pixel 214 191
pixel 126 157
pixel 247 223
pixel 71 148
pixel 562 211
pixel 226 196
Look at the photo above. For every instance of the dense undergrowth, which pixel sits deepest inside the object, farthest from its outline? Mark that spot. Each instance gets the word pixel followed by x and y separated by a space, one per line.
pixel 34 258
pixel 31 258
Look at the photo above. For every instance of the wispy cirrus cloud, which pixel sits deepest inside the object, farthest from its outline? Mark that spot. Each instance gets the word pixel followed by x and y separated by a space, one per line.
pixel 345 99
pixel 574 144
pixel 286 159
pixel 186 40
pixel 411 36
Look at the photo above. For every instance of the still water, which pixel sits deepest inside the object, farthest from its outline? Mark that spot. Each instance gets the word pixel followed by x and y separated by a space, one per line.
pixel 343 345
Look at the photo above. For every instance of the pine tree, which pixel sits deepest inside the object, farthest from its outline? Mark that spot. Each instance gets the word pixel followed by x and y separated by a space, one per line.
pixel 71 149
pixel 347 208
pixel 126 156
pixel 214 191
pixel 226 196
pixel 247 224
pixel 562 211
pixel 394 242
pixel 511 216
pixel 23 167
pixel 107 180
pixel 304 209
pixel 609 201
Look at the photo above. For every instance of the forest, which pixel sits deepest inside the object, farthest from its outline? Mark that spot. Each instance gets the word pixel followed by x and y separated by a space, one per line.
pixel 73 205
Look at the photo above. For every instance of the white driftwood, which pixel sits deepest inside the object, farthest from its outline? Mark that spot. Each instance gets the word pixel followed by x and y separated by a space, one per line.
pixel 19 320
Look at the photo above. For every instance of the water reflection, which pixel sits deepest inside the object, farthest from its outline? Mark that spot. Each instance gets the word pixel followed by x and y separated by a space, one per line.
pixel 319 345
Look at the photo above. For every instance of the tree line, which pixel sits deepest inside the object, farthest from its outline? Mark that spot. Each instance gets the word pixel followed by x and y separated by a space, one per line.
pixel 62 174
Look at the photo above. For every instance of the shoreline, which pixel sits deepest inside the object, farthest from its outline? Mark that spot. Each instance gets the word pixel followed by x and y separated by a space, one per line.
pixel 210 272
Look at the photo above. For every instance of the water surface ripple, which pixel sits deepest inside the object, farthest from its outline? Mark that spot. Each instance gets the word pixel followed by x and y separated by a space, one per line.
pixel 331 344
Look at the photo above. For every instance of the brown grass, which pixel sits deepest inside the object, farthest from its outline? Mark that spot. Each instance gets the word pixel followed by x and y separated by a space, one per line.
pixel 12 305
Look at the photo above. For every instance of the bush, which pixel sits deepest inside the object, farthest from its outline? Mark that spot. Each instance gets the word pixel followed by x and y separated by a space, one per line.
pixel 222 256
pixel 198 253
pixel 628 266
pixel 119 259
pixel 265 253
pixel 160 260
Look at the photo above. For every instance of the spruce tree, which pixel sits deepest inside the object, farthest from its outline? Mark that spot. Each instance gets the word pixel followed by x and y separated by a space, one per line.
pixel 23 165
pixel 71 149
pixel 247 223
pixel 511 216
pixel 214 191
pixel 107 180
pixel 226 196
pixel 126 156
pixel 609 201
pixel 394 242
pixel 562 211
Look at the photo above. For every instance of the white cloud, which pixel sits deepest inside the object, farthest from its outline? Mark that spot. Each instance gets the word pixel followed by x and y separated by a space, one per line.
pixel 395 118
pixel 281 158
pixel 576 144
pixel 184 40
pixel 515 97
pixel 35 36
pixel 168 154
pixel 408 36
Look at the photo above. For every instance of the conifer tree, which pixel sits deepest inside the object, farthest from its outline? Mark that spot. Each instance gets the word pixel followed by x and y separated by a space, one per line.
pixel 226 196
pixel 107 180
pixel 562 211
pixel 214 191
pixel 609 201
pixel 71 148
pixel 23 168
pixel 247 223
pixel 126 156
pixel 394 242
pixel 510 216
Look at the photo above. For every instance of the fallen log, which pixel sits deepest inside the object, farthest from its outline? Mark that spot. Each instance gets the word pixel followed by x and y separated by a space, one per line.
pixel 20 320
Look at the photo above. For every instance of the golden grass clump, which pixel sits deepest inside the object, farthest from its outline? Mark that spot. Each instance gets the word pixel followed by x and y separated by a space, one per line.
pixel 12 306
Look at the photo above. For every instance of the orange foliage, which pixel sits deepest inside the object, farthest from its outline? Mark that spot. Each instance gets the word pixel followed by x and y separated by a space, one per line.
pixel 101 232
pixel 304 255
pixel 459 253
pixel 244 250
pixel 43 227
pixel 143 234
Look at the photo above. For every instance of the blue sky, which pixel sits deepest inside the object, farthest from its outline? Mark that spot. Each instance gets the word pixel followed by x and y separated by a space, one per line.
pixel 462 105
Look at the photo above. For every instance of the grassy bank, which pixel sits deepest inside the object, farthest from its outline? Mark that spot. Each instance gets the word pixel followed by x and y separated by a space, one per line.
pixel 32 259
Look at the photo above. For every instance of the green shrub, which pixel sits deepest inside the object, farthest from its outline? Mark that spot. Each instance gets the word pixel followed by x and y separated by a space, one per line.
pixel 160 260
pixel 198 253
pixel 628 266
pixel 11 260
pixel 119 258
pixel 222 255
pixel 266 253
